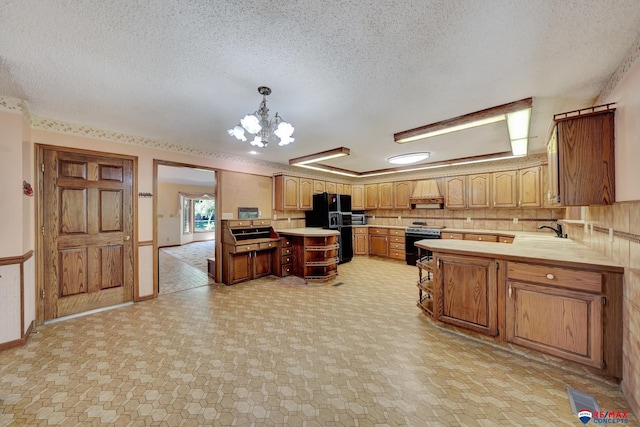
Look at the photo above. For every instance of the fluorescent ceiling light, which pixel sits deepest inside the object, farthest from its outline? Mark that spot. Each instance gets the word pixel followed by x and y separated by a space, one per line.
pixel 518 124
pixel 321 156
pixel 519 147
pixel 406 159
pixel 457 128
pixel 316 168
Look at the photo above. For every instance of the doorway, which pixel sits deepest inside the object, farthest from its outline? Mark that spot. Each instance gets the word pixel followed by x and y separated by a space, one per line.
pixel 185 232
pixel 87 236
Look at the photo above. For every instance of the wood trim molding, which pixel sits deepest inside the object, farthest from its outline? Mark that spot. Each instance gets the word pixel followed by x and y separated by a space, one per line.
pixel 20 341
pixel 145 243
pixel 21 259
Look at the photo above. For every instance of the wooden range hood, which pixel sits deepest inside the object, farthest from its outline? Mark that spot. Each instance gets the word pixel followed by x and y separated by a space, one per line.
pixel 426 195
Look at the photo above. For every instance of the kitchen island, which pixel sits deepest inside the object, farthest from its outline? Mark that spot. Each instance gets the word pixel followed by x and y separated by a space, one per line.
pixel 546 293
pixel 314 252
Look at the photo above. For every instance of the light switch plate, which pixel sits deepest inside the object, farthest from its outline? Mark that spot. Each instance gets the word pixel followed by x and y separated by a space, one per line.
pixel 515 220
pixel 227 215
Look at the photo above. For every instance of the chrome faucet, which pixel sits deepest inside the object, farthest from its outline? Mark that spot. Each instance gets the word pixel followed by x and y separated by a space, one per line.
pixel 558 230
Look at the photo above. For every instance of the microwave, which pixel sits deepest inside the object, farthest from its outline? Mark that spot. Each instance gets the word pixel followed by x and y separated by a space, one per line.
pixel 358 219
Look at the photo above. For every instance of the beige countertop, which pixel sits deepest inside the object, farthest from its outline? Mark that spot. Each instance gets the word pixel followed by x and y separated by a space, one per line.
pixel 308 232
pixel 527 247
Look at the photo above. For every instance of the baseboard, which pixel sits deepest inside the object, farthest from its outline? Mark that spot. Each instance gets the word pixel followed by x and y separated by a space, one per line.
pixel 19 342
pixel 145 298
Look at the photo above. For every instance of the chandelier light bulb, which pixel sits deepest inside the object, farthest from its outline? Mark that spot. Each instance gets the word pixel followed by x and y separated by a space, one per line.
pixel 238 132
pixel 251 123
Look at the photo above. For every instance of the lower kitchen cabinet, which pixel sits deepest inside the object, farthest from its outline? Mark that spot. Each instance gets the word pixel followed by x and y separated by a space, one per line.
pixel 560 322
pixel 467 290
pixel 378 241
pixel 239 267
pixel 360 241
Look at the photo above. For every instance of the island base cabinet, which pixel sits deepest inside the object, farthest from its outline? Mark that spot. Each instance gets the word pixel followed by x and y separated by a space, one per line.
pixel 559 322
pixel 467 293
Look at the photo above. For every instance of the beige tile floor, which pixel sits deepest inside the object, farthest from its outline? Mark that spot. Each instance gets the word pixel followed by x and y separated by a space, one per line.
pixel 278 352
pixel 184 267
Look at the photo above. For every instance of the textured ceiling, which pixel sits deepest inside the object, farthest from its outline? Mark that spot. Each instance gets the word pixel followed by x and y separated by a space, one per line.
pixel 344 73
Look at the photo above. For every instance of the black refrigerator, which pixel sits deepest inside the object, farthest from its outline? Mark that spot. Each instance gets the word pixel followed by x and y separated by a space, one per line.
pixel 333 211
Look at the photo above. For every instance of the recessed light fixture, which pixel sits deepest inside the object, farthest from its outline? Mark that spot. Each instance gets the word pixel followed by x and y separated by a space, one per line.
pixel 253 152
pixel 407 159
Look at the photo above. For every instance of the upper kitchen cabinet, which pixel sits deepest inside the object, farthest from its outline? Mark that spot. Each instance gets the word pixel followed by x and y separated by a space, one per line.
pixel 318 186
pixel 529 188
pixel 385 195
pixel 346 189
pixel 291 193
pixel 479 190
pixel 505 189
pixel 455 194
pixel 581 158
pixel 357 197
pixel 402 191
pixel 330 187
pixel 370 196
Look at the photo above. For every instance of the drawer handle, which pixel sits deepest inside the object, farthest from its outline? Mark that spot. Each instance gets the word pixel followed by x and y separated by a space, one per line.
pixel 451 237
pixel 479 238
pixel 550 276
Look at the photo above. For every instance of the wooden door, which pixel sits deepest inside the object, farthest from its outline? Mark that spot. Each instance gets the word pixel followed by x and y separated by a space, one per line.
pixel 378 245
pixel 318 187
pixel 360 246
pixel 530 192
pixel 306 193
pixel 401 194
pixel 455 192
pixel 468 293
pixel 330 187
pixel 88 230
pixel 261 263
pixel 357 197
pixel 385 195
pixel 239 268
pixel 504 189
pixel 291 185
pixel 347 190
pixel 479 186
pixel 370 196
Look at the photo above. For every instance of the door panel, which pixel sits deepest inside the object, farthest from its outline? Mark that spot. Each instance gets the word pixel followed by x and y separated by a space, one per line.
pixel 88 225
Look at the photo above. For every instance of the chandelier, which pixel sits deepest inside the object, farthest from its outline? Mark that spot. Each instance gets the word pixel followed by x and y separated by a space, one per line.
pixel 258 124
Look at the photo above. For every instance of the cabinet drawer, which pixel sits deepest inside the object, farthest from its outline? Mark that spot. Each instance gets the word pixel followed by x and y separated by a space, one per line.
pixel 505 239
pixel 361 230
pixel 454 236
pixel 381 231
pixel 287 270
pixel 285 242
pixel 396 232
pixel 287 259
pixel 287 250
pixel 397 239
pixel 261 222
pixel 246 248
pixel 481 237
pixel 239 223
pixel 396 254
pixel 580 280
pixel 268 245
pixel 396 246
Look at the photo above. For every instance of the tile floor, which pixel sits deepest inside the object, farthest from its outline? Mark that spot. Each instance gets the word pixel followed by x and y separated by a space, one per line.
pixel 184 267
pixel 278 352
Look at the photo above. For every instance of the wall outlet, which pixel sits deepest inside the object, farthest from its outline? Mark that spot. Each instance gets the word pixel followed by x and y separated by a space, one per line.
pixel 515 220
pixel 591 228
pixel 611 234
pixel 227 215
pixel 399 218
pixel 259 214
pixel 288 219
pixel 374 217
pixel 468 219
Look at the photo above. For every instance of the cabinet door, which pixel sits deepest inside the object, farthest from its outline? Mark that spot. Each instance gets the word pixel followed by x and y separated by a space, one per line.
pixel 360 244
pixel 478 194
pixel 505 189
pixel 455 192
pixel 239 268
pixel 357 197
pixel 378 245
pixel 261 263
pixel 553 192
pixel 306 193
pixel 290 192
pixel 559 322
pixel 385 195
pixel 330 187
pixel 347 190
pixel 401 192
pixel 530 193
pixel 340 188
pixel 318 187
pixel 468 293
pixel 370 196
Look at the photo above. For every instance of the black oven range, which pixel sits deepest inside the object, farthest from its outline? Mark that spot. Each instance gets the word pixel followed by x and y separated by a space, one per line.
pixel 418 231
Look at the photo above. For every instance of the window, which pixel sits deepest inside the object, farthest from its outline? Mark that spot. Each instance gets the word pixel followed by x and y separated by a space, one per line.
pixel 204 215
pixel 186 215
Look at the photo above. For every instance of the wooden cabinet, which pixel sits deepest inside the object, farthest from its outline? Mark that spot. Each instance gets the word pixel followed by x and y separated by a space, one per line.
pixel 314 257
pixel 479 187
pixel 330 187
pixel 584 159
pixel 284 258
pixel 286 192
pixel 305 199
pixel 467 292
pixel 248 247
pixel 455 192
pixel 360 241
pixel 385 195
pixel 378 241
pixel 452 236
pixel 401 193
pixel 340 188
pixel 505 189
pixel 530 193
pixel 318 186
pixel 346 190
pixel 357 197
pixel 396 249
pixel 481 237
pixel 370 196
pixel 550 309
pixel 553 180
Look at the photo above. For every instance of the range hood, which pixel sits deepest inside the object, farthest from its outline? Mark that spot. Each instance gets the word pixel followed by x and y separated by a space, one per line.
pixel 426 195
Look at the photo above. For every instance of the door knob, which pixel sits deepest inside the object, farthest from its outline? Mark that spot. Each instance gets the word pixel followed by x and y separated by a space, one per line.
pixel 126 238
